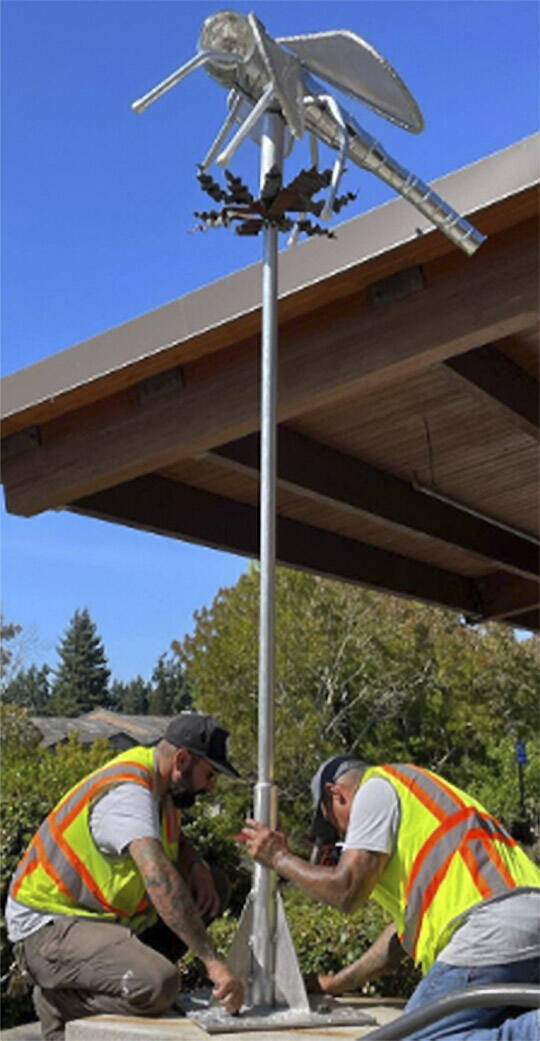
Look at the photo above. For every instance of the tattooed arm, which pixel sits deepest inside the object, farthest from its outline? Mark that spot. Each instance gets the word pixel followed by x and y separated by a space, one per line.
pixel 172 900
pixel 384 956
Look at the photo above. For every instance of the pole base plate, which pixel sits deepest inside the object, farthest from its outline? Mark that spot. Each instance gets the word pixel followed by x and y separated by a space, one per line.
pixel 323 1012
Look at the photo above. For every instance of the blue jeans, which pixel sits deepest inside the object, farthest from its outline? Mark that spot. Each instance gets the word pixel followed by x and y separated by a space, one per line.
pixel 477 1024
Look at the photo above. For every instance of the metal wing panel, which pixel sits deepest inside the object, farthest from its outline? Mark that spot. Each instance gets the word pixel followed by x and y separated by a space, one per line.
pixel 351 64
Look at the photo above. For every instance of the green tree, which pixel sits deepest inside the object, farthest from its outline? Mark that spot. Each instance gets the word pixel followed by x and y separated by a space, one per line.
pixel 169 690
pixel 130 698
pixel 390 679
pixel 30 687
pixel 8 632
pixel 82 677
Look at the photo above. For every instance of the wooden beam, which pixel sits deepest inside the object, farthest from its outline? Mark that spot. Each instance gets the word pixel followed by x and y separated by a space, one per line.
pixel 319 472
pixel 168 507
pixel 323 359
pixel 496 376
pixel 503 596
pixel 527 620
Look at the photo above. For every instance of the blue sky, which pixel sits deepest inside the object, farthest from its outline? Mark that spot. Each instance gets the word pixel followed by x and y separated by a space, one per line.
pixel 97 207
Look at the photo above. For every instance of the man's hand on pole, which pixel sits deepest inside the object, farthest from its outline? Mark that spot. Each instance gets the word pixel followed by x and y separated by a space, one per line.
pixel 262 843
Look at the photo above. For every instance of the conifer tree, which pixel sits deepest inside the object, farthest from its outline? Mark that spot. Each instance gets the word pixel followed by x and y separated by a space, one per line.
pixel 82 677
pixel 130 698
pixel 170 693
pixel 30 688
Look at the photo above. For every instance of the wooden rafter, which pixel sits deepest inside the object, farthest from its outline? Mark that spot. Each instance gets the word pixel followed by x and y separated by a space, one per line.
pixel 171 508
pixel 323 359
pixel 321 473
pixel 494 375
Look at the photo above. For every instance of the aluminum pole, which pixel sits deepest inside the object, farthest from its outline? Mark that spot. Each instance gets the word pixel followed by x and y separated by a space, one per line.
pixel 263 939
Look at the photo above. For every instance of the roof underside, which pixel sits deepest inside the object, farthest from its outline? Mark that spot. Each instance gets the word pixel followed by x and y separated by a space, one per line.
pixel 407 390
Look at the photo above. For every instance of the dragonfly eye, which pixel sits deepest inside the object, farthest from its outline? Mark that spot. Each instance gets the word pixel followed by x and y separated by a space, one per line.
pixel 228 32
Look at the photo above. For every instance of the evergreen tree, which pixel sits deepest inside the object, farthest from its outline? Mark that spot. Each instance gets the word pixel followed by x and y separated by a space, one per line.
pixel 30 688
pixel 130 698
pixel 170 693
pixel 8 631
pixel 82 677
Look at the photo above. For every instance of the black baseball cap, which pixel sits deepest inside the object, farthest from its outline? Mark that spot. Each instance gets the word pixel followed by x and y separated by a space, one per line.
pixel 328 773
pixel 203 736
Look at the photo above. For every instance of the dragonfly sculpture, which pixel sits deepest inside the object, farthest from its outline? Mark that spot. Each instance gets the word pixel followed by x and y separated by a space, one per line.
pixel 262 74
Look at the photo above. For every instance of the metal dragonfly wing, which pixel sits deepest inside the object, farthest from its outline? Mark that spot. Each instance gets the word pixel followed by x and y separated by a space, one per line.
pixel 263 74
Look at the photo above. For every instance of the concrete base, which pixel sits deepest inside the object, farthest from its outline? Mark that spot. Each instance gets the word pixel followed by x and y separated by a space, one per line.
pixel 175 1028
pixel 320 1011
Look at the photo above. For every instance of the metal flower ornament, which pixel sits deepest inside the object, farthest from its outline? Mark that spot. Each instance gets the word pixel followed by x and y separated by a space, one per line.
pixel 275 95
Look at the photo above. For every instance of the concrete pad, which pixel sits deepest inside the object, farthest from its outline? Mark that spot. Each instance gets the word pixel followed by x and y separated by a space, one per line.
pixel 174 1028
pixel 24 1032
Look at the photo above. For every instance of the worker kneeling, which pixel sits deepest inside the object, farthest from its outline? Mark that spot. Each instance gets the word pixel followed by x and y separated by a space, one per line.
pixel 110 893
pixel 464 897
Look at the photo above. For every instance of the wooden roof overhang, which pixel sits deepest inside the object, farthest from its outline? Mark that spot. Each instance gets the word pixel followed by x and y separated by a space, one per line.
pixel 408 389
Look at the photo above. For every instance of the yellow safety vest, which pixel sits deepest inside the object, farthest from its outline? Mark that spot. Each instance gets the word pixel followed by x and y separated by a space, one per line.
pixel 63 871
pixel 450 855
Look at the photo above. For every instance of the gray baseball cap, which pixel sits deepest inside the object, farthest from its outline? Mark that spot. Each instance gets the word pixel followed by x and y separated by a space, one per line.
pixel 328 773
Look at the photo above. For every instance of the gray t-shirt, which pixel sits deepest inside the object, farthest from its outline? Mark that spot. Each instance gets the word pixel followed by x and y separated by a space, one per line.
pixel 497 931
pixel 124 814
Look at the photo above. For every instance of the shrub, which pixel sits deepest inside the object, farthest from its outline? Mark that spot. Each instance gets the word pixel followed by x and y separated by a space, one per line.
pixel 33 781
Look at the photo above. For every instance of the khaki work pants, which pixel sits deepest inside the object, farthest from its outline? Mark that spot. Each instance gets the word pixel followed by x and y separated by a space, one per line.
pixel 83 967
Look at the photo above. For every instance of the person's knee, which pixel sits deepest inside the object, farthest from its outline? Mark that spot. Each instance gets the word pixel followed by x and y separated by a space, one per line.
pixel 159 989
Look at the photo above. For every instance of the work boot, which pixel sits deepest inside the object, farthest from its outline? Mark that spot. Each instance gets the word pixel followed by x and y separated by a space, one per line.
pixel 52 1024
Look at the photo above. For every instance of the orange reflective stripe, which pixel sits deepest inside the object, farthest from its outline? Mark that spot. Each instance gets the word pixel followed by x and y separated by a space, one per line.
pixel 88 795
pixel 418 793
pixel 447 825
pixel 81 870
pixel 442 784
pixel 473 866
pixel 142 905
pixel 29 867
pixel 470 861
pixel 496 859
pixel 429 896
pixel 52 873
pixel 124 763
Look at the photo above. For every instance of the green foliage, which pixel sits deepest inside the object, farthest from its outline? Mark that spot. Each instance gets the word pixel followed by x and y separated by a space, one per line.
pixel 130 698
pixel 8 632
pixel 30 687
pixel 16 730
pixel 169 692
pixel 389 679
pixel 34 779
pixel 82 677
pixel 324 940
pixel 212 833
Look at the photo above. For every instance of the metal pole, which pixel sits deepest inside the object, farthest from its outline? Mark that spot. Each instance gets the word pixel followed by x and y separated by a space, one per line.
pixel 264 881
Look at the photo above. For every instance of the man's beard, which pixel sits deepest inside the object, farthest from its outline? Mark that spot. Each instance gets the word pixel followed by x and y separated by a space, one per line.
pixel 182 791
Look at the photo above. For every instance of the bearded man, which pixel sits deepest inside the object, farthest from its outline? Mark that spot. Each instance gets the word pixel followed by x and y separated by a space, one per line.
pixel 110 892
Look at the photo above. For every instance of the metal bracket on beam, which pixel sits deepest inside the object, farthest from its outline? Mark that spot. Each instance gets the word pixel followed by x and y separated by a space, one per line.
pixel 21 442
pixel 396 287
pixel 161 384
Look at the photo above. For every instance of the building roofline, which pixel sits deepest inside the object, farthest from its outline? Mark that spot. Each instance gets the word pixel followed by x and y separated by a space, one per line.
pixel 385 228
